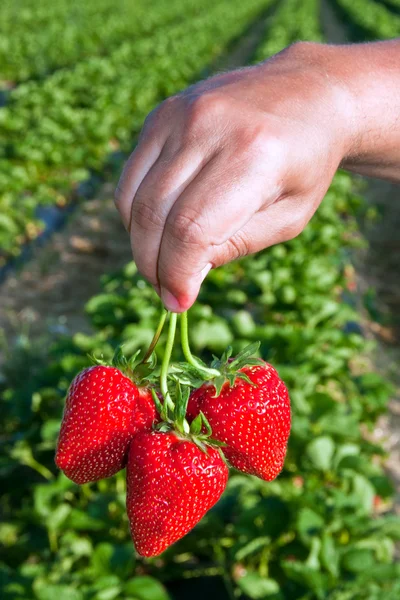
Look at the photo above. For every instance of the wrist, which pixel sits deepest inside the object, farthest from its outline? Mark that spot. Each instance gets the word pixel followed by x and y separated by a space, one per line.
pixel 370 73
pixel 322 89
pixel 344 119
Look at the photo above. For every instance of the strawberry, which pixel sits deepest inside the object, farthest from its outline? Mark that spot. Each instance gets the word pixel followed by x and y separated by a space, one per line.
pixel 104 410
pixel 171 484
pixel 250 412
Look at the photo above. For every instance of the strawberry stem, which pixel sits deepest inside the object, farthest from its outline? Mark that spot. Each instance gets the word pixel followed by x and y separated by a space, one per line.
pixel 192 360
pixel 156 337
pixel 167 358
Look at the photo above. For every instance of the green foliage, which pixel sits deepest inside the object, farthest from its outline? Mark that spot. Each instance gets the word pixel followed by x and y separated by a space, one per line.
pixel 314 533
pixel 43 37
pixel 286 29
pixel 373 17
pixel 309 534
pixel 56 132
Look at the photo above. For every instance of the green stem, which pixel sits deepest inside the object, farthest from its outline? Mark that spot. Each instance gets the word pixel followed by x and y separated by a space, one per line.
pixel 192 360
pixel 166 360
pixel 222 562
pixel 53 542
pixel 41 469
pixel 156 337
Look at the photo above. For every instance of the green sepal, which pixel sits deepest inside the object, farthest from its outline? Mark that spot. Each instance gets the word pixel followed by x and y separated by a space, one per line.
pixel 227 354
pixel 133 368
pixel 206 424
pixel 244 355
pixel 245 378
pixel 150 364
pixel 98 361
pixel 200 445
pixel 145 372
pixel 196 425
pixel 216 443
pixel 181 402
pixel 133 361
pixel 186 375
pixel 119 361
pixel 222 455
pixel 163 427
pixel 161 409
pixel 231 377
pixel 219 383
pixel 250 362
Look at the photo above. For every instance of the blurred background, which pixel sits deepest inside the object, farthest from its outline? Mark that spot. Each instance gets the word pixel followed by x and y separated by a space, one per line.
pixel 76 81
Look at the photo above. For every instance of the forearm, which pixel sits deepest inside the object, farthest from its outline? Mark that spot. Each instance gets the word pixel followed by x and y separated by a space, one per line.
pixel 371 73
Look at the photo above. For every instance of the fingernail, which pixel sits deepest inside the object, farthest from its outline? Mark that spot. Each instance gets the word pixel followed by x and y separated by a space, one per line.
pixel 204 272
pixel 169 301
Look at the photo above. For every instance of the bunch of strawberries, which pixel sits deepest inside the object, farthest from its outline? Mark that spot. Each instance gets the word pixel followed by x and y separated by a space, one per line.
pixel 176 430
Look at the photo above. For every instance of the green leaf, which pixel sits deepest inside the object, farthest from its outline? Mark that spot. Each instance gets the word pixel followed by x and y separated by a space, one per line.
pixel 253 546
pixel 59 592
pixel 364 490
pixel 109 593
pixel 309 524
pixel 101 558
pixel 320 451
pixel 358 560
pixel 313 557
pixel 345 450
pixel 50 430
pixel 243 323
pixel 330 555
pixel 80 520
pixel 146 588
pixel 215 335
pixel 257 587
pixel 58 516
pixel 345 426
pixel 310 578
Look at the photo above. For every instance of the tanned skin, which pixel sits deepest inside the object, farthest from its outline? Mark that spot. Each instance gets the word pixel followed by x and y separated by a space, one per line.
pixel 241 161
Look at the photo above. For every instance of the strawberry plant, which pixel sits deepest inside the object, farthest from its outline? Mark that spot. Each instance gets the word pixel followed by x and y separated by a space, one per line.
pixel 176 471
pixel 307 534
pixel 39 39
pixel 325 528
pixel 57 132
pixel 373 18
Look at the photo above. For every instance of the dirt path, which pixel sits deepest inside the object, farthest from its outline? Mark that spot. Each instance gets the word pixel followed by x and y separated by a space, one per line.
pixel 378 279
pixel 49 293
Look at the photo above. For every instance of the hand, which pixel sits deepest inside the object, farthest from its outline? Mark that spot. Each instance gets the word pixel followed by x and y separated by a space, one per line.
pixel 231 166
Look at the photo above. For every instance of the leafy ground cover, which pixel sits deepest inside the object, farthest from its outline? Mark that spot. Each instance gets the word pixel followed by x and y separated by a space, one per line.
pixel 38 39
pixel 55 133
pixel 323 530
pixel 375 19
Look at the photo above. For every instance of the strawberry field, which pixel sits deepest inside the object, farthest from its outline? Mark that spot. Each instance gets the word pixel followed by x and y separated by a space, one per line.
pixel 76 81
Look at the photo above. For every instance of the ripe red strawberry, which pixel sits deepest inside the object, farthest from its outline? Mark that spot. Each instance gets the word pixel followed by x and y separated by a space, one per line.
pixel 253 420
pixel 103 411
pixel 171 485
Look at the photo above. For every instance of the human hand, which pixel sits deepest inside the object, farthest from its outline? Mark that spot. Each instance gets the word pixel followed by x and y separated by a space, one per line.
pixel 231 166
